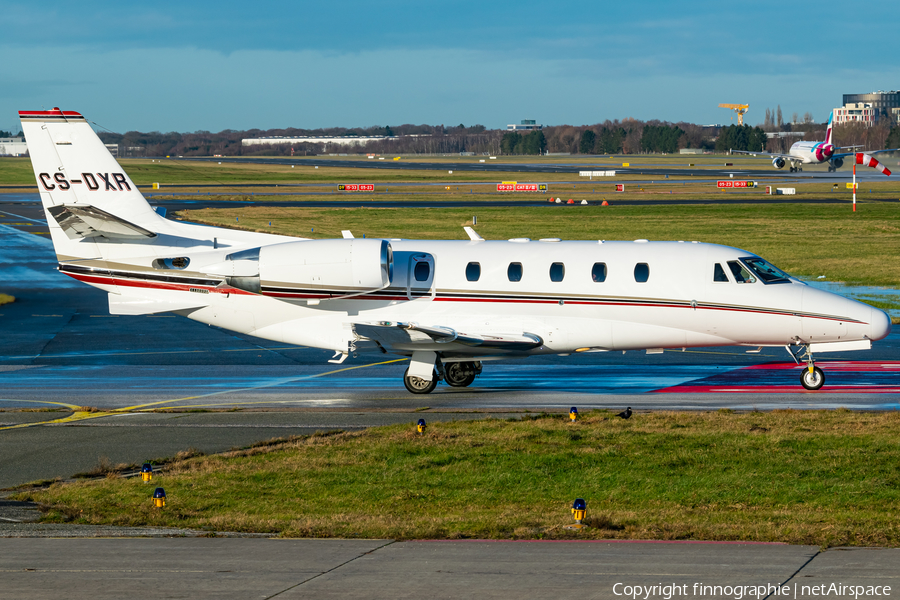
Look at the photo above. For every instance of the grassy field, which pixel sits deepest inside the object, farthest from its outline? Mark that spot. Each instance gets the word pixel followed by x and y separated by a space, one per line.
pixel 180 175
pixel 827 478
pixel 807 240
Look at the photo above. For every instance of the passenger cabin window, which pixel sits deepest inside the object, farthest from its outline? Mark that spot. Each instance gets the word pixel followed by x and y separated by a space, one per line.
pixel 473 271
pixel 514 272
pixel 641 272
pixel 719 274
pixel 422 271
pixel 741 274
pixel 557 271
pixel 598 273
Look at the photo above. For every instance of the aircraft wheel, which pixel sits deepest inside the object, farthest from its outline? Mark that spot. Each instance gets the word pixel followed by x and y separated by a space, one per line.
pixel 460 374
pixel 417 385
pixel 814 380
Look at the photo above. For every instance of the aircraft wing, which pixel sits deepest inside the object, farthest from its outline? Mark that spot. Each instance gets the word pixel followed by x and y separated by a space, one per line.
pixel 90 221
pixel 769 154
pixel 412 336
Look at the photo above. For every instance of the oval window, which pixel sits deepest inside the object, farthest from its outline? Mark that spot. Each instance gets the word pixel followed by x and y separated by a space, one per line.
pixel 641 272
pixel 557 271
pixel 422 271
pixel 514 272
pixel 473 271
pixel 598 273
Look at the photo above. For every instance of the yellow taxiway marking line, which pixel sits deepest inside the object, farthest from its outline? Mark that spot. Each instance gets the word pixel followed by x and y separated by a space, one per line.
pixel 256 387
pixel 78 415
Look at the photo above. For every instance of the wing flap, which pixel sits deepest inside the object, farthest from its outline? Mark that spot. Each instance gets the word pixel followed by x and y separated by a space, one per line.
pixel 401 335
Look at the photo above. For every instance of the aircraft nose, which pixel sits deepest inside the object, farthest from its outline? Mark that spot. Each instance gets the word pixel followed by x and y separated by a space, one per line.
pixel 879 324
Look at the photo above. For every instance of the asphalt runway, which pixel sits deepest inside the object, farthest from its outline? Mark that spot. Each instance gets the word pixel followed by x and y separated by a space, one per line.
pixel 488 166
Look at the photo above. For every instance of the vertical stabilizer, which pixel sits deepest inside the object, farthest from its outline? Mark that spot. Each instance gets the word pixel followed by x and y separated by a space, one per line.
pixel 73 167
pixel 828 131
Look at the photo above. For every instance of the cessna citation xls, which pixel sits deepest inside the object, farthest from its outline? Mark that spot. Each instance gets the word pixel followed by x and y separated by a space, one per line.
pixel 816 153
pixel 448 305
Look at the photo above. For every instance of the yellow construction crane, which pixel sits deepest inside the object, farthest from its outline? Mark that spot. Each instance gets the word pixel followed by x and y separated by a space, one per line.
pixel 740 109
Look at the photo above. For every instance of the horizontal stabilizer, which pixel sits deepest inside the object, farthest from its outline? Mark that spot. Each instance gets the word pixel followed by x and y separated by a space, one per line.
pixel 90 222
pixel 394 334
pixel 141 305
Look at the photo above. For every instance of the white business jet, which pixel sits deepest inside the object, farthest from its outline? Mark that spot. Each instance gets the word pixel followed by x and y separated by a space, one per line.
pixel 448 305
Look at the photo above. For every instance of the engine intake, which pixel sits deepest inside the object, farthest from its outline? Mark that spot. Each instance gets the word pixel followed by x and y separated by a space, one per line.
pixel 778 162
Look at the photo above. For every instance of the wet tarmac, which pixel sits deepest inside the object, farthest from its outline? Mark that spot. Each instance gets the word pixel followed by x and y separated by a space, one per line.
pixel 63 351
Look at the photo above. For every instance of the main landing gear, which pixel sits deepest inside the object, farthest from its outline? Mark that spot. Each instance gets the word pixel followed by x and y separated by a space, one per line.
pixel 456 374
pixel 812 377
pixel 796 169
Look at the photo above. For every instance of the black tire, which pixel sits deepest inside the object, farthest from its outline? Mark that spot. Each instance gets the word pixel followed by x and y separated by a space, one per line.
pixel 814 380
pixel 460 374
pixel 417 385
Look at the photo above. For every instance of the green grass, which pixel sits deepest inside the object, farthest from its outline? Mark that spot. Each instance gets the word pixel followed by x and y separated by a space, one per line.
pixel 823 478
pixel 807 240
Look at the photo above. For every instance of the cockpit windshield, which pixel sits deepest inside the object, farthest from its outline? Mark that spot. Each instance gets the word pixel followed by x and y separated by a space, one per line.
pixel 766 271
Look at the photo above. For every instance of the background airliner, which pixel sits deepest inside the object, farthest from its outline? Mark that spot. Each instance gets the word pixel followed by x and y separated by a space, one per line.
pixel 449 305
pixel 816 153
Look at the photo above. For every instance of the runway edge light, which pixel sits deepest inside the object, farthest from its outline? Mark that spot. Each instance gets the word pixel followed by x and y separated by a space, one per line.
pixel 420 427
pixel 146 472
pixel 159 497
pixel 579 510
pixel 573 414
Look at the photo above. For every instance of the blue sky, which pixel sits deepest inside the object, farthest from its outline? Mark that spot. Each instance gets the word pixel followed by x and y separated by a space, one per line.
pixel 186 66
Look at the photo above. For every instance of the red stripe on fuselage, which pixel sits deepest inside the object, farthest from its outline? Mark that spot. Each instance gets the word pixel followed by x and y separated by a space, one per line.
pixel 112 280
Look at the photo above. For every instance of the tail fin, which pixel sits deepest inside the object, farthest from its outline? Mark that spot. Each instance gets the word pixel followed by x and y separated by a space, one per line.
pixel 84 191
pixel 828 131
pixel 73 167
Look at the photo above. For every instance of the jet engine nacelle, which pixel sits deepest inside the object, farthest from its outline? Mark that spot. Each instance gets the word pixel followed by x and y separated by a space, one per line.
pixel 337 267
pixel 778 162
pixel 837 163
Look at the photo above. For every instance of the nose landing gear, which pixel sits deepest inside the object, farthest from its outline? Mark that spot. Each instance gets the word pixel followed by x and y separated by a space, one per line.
pixel 812 377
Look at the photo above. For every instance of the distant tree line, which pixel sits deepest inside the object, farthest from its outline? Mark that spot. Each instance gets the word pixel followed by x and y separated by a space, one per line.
pixel 8 134
pixel 628 136
pixel 893 138
pixel 514 142
pixel 741 137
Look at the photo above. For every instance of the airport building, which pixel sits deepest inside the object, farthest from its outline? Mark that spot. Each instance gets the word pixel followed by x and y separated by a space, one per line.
pixel 13 147
pixel 525 125
pixel 883 102
pixel 340 141
pixel 861 112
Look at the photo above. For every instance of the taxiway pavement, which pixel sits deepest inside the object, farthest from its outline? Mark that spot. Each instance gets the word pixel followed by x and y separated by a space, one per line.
pixel 96 569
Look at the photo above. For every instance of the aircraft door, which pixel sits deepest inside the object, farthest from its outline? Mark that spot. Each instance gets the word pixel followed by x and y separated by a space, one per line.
pixel 420 276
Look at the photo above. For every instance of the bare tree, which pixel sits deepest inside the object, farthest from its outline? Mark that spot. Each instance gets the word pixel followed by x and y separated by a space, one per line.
pixel 779 121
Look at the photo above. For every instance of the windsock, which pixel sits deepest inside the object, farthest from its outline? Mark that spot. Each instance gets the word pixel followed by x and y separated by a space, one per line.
pixel 868 161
